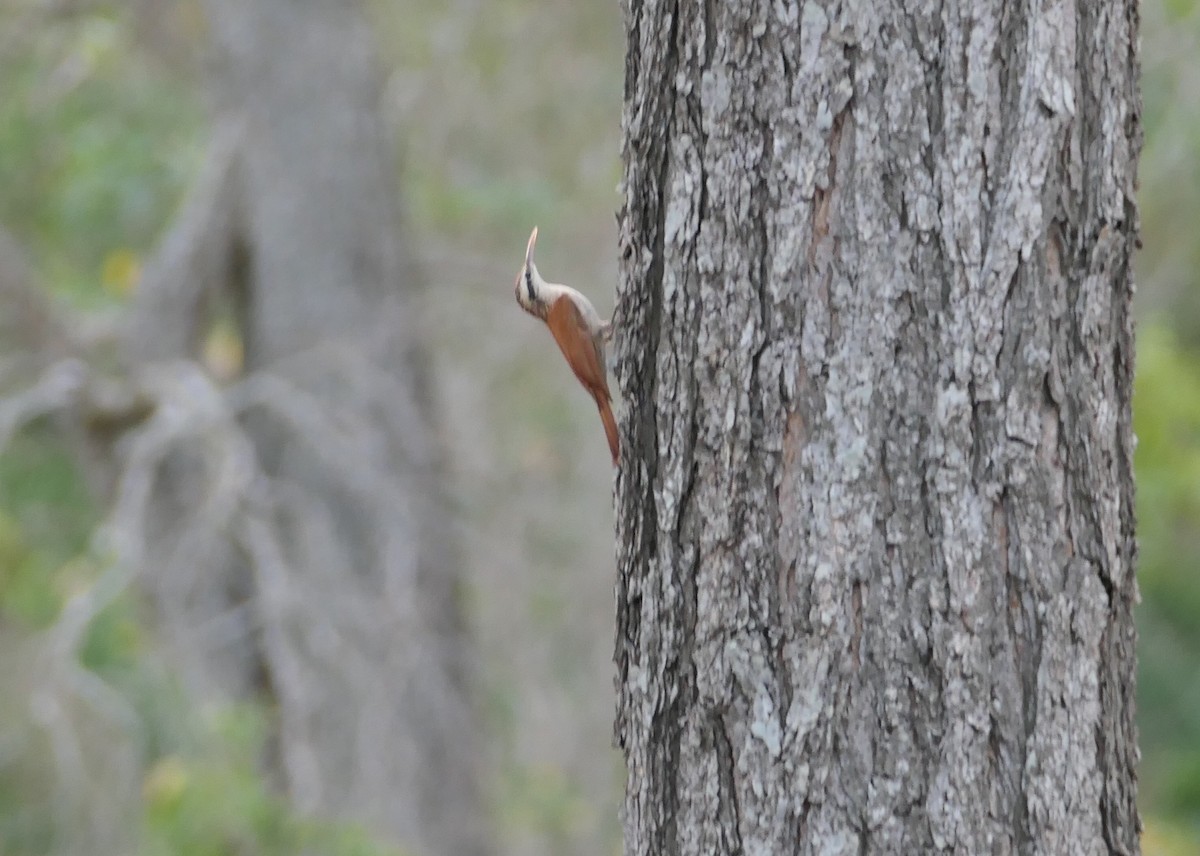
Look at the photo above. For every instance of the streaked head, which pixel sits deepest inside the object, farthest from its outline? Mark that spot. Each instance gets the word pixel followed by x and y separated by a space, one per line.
pixel 528 279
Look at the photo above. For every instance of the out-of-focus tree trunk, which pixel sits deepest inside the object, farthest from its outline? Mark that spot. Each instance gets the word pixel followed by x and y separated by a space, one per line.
pixel 330 584
pixel 875 509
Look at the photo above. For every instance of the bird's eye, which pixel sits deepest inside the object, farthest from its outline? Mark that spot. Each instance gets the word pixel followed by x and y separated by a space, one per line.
pixel 529 283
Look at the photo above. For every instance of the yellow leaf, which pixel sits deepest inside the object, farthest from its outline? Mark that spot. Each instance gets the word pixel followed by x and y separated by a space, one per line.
pixel 165 782
pixel 121 273
pixel 223 352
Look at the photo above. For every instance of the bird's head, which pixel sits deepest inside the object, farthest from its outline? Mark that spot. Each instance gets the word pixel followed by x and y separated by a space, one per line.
pixel 529 281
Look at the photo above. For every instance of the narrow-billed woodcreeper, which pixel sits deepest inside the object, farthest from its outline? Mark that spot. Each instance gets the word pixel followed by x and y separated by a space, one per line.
pixel 578 330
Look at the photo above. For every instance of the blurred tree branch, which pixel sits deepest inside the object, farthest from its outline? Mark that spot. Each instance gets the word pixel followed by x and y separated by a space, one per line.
pixel 289 530
pixel 194 262
pixel 29 327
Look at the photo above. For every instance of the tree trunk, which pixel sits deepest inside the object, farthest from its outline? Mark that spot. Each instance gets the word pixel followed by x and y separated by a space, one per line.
pixel 324 578
pixel 875 509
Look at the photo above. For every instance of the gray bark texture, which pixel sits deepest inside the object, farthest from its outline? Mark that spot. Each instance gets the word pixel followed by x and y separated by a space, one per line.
pixel 295 541
pixel 875 507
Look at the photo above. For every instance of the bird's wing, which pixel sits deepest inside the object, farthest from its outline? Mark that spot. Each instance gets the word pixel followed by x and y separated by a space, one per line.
pixel 579 346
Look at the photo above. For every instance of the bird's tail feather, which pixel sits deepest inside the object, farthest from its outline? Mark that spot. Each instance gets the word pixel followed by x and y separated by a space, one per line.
pixel 610 427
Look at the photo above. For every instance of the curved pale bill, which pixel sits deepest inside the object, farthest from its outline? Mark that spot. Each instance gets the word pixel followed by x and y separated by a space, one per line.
pixel 529 247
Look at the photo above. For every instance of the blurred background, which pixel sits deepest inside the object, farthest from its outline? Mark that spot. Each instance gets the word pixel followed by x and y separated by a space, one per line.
pixel 502 115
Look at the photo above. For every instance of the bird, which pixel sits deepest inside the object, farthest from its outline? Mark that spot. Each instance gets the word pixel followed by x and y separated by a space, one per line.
pixel 578 330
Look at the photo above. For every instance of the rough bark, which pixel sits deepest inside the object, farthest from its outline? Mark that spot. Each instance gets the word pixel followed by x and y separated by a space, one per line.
pixel 296 543
pixel 875 510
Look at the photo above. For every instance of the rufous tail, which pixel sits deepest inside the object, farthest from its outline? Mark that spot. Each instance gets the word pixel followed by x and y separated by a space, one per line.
pixel 610 427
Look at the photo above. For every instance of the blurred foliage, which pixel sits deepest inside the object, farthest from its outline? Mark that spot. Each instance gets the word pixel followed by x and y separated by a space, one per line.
pixel 1169 174
pixel 96 147
pixel 98 142
pixel 216 803
pixel 202 790
pixel 500 141
pixel 1167 421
